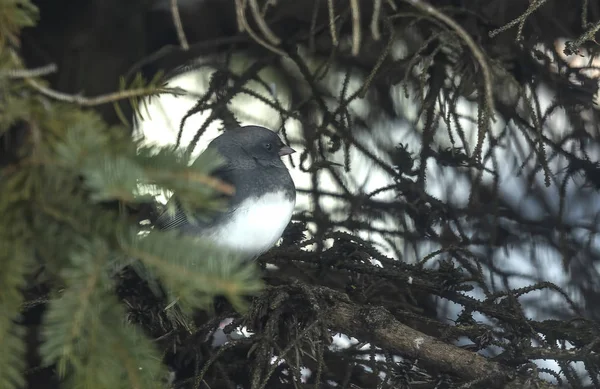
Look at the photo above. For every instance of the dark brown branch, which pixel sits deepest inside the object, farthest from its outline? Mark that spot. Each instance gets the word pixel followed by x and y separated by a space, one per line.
pixel 377 325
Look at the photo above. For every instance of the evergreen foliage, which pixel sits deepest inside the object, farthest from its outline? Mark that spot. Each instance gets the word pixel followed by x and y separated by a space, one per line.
pixel 57 228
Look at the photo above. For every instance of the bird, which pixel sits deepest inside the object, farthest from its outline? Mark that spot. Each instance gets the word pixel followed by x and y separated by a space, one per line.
pixel 265 195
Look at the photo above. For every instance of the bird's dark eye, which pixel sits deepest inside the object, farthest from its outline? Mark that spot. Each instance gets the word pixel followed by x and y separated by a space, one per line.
pixel 268 146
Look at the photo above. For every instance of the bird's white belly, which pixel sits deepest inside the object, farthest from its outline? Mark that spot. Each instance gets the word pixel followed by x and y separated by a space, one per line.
pixel 257 224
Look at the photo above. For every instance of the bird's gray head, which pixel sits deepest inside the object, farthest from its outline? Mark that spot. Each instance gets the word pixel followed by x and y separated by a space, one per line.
pixel 251 146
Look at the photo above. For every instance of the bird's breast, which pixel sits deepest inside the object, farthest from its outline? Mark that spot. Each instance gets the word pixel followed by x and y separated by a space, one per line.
pixel 257 223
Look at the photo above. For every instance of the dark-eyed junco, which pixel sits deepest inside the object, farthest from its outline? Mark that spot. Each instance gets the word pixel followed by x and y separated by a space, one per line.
pixel 264 197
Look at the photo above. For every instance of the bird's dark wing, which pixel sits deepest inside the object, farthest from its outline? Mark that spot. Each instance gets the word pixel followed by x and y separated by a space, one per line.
pixel 169 220
pixel 180 220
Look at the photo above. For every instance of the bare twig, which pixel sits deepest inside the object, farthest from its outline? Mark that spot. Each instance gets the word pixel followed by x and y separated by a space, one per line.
pixel 332 31
pixel 584 14
pixel 179 26
pixel 268 3
pixel 262 25
pixel 356 33
pixel 239 13
pixel 29 73
pixel 243 25
pixel 98 100
pixel 375 20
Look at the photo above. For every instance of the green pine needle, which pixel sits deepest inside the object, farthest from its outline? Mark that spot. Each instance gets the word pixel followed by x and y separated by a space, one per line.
pixel 193 269
pixel 15 259
pixel 85 334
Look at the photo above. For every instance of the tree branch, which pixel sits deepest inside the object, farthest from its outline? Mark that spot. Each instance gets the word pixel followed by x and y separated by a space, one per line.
pixel 98 100
pixel 179 26
pixel 377 325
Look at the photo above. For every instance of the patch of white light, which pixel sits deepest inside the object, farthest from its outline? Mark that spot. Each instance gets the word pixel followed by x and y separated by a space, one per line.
pixel 341 341
pixel 220 337
pixel 305 372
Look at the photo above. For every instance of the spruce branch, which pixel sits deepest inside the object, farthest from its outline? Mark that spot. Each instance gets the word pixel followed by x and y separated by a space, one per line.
pixel 85 334
pixel 573 47
pixel 193 269
pixel 12 359
pixel 57 192
pixel 193 176
pixel 520 21
pixel 120 173
pixel 14 267
pixel 15 15
pixel 478 53
pixel 15 264
pixel 379 326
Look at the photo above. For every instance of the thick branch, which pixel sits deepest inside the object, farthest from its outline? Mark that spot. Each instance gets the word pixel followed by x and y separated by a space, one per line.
pixel 377 325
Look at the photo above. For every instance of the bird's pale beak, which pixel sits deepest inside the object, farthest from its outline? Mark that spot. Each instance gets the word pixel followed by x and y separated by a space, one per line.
pixel 286 150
